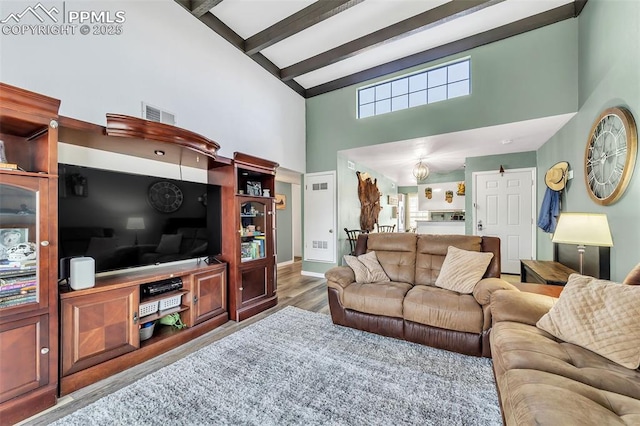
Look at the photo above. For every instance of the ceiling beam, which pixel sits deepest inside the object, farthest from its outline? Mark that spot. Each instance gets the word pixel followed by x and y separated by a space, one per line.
pixel 212 21
pixel 528 24
pixel 200 7
pixel 580 4
pixel 426 20
pixel 301 20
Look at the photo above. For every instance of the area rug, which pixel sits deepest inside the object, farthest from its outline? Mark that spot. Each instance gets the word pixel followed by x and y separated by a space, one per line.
pixel 296 367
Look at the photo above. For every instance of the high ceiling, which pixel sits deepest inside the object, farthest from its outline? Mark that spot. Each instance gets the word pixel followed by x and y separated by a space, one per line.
pixel 318 46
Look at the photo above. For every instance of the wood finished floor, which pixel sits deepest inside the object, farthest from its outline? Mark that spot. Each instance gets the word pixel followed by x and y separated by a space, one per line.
pixel 294 289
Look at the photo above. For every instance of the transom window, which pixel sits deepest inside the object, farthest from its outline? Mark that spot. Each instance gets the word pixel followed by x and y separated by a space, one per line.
pixel 426 87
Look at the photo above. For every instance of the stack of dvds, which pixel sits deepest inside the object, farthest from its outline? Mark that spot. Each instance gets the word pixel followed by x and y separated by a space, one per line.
pixel 17 287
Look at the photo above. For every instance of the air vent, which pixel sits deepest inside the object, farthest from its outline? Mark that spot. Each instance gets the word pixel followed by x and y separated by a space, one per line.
pixel 156 114
pixel 320 245
pixel 320 186
pixel 351 165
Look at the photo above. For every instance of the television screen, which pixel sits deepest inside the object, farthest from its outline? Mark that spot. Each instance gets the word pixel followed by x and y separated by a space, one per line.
pixel 125 220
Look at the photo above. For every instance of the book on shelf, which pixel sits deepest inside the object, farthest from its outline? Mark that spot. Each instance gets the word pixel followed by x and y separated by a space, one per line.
pixel 27 298
pixel 18 280
pixel 8 166
pixel 23 295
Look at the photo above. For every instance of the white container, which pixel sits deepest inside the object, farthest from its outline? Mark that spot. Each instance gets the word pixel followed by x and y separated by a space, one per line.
pixel 148 308
pixel 170 302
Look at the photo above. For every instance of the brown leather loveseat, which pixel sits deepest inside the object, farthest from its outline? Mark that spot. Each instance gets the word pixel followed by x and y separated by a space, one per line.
pixel 410 306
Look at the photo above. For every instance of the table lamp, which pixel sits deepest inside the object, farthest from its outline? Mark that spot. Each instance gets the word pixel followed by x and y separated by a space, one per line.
pixel 583 229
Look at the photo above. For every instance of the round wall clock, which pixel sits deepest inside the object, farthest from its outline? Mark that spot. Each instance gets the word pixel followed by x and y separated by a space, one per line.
pixel 165 196
pixel 610 155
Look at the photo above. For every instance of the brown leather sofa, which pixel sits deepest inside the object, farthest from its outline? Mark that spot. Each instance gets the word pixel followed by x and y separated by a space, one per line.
pixel 410 306
pixel 543 380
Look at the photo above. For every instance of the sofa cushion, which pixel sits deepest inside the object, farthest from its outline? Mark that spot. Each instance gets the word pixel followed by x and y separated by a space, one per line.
pixel 396 253
pixel 462 269
pixel 432 250
pixel 366 268
pixel 531 397
pixel 519 346
pixel 598 315
pixel 376 299
pixel 443 308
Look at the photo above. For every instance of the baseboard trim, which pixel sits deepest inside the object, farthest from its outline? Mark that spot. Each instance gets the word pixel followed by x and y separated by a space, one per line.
pixel 312 274
pixel 285 263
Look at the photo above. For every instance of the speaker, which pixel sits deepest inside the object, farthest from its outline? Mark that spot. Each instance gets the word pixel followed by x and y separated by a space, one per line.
pixel 82 272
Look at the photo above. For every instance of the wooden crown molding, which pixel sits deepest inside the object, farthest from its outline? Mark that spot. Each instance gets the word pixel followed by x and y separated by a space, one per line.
pixel 133 127
pixel 255 163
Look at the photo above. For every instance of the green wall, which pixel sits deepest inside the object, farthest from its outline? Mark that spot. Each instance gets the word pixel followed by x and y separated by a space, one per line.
pixel 528 76
pixel 609 63
pixel 284 225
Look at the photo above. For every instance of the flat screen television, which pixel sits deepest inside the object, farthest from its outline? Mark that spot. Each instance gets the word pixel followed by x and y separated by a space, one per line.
pixel 126 220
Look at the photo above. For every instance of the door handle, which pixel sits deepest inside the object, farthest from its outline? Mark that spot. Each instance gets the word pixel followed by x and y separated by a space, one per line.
pixel 479 225
pixel 331 231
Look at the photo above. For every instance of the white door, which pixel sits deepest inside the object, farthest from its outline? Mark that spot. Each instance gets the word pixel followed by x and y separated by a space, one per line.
pixel 505 208
pixel 320 217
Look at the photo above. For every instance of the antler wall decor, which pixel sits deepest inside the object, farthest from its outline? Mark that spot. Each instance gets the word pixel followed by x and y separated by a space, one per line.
pixel 369 196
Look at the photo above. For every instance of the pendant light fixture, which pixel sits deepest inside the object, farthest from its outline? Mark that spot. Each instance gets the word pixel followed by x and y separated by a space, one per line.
pixel 420 171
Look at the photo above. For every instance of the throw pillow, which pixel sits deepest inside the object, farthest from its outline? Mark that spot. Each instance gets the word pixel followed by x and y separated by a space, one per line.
pixel 169 244
pixel 367 268
pixel 598 315
pixel 462 269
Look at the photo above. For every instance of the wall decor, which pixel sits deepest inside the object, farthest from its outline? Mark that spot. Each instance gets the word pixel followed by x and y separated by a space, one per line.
pixel 281 201
pixel 254 188
pixel 461 189
pixel 392 200
pixel 610 155
pixel 369 197
pixel 428 192
pixel 448 196
pixel 11 237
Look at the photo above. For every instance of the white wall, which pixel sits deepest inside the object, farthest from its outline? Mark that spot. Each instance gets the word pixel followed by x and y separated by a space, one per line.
pixel 169 59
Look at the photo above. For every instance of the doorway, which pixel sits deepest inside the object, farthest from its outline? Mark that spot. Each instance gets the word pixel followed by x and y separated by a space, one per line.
pixel 504 207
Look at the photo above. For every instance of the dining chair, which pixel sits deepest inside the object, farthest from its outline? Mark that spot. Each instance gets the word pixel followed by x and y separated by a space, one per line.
pixel 386 228
pixel 352 237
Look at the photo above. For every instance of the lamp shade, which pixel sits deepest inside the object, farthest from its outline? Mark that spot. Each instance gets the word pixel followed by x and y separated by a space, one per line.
pixel 135 223
pixel 420 171
pixel 587 229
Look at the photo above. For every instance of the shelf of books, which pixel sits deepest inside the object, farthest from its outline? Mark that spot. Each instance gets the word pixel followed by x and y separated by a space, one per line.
pixel 18 283
pixel 255 248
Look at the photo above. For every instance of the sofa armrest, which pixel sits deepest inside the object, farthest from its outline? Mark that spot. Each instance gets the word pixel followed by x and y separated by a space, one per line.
pixel 341 275
pixel 487 286
pixel 520 306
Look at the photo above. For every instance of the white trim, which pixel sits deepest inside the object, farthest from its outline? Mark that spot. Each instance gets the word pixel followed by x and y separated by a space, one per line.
pixel 534 215
pixel 285 263
pixel 312 274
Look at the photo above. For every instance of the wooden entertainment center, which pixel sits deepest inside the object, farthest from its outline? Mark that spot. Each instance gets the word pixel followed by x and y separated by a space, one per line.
pixel 99 327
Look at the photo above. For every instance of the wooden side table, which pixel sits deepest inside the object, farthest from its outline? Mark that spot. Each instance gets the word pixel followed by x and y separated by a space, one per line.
pixel 545 289
pixel 544 272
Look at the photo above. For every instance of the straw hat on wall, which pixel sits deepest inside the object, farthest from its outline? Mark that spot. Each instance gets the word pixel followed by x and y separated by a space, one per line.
pixel 556 176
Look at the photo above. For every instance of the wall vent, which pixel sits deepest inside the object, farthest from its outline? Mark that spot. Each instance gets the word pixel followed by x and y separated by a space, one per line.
pixel 351 165
pixel 320 186
pixel 152 113
pixel 320 245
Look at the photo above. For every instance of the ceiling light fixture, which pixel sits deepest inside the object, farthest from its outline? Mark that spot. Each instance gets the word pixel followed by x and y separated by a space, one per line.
pixel 420 171
pixel 159 152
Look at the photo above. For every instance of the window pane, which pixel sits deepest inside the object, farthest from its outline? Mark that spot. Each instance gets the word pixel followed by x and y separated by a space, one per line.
pixel 400 87
pixel 367 95
pixel 437 94
pixel 418 98
pixel 460 88
pixel 367 110
pixel 383 91
pixel 437 77
pixel 399 102
pixel 383 106
pixel 418 82
pixel 459 71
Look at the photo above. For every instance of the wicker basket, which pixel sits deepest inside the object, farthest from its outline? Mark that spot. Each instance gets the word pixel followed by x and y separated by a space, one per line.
pixel 170 302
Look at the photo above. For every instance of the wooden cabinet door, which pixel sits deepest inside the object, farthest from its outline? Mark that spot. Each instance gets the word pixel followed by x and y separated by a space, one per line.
pixel 24 363
pixel 98 327
pixel 209 294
